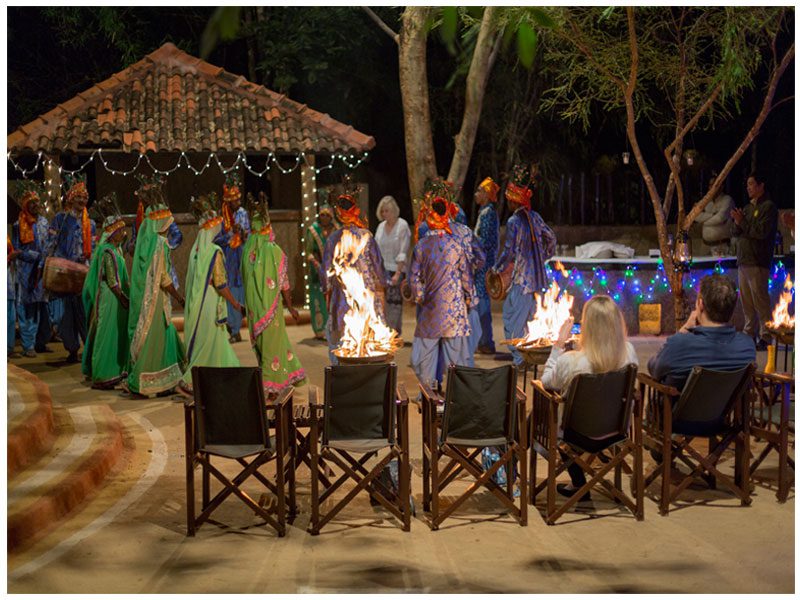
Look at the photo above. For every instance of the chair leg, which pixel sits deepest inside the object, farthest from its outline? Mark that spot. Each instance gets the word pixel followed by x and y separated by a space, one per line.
pixel 783 466
pixel 206 484
pixel 314 444
pixel 532 476
pixel 551 483
pixel 434 487
pixel 666 476
pixel 523 487
pixel 190 522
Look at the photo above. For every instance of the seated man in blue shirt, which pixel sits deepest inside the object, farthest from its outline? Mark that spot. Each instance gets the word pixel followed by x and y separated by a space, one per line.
pixel 707 339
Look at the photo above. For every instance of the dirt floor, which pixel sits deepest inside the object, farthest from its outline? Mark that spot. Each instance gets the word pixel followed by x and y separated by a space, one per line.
pixel 131 536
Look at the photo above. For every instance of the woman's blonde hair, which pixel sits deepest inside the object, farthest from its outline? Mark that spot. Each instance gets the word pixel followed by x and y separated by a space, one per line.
pixel 391 203
pixel 603 335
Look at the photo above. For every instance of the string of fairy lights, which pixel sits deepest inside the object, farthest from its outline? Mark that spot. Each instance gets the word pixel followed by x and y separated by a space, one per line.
pixel 306 163
pixel 639 284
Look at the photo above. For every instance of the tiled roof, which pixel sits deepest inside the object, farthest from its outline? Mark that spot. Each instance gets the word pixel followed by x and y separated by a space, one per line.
pixel 171 101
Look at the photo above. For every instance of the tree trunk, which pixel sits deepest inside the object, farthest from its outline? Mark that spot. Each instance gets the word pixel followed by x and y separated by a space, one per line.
pixel 483 59
pixel 420 156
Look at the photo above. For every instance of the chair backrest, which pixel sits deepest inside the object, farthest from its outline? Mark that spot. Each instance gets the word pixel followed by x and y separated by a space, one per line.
pixel 598 405
pixel 229 407
pixel 359 402
pixel 479 405
pixel 707 399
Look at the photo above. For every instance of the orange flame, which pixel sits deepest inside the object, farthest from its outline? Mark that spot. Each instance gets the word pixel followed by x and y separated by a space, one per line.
pixel 552 312
pixel 365 333
pixel 781 319
pixel 561 269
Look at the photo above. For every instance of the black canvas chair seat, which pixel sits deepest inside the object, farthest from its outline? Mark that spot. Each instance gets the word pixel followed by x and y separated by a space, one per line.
pixel 601 413
pixel 239 451
pixel 361 426
pixel 481 408
pixel 712 405
pixel 772 421
pixel 228 419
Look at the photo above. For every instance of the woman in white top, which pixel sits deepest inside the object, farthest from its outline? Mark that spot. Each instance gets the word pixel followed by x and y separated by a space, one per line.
pixel 602 347
pixel 393 238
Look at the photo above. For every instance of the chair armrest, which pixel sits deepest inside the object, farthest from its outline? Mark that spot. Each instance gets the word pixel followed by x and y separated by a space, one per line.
pixel 313 397
pixel 285 395
pixel 776 377
pixel 520 396
pixel 402 394
pixel 188 402
pixel 428 395
pixel 655 385
pixel 552 396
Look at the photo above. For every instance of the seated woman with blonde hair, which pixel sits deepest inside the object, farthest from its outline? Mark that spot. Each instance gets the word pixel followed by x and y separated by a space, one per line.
pixel 602 347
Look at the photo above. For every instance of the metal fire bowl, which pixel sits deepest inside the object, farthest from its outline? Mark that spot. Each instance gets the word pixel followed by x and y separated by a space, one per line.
pixel 363 360
pixel 783 335
pixel 535 355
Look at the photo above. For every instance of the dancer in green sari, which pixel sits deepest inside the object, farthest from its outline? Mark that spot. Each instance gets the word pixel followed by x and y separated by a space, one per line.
pixel 205 334
pixel 316 237
pixel 265 277
pixel 157 357
pixel 105 302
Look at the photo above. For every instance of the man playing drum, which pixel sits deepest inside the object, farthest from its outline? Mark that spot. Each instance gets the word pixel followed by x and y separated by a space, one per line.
pixel 72 237
pixel 529 243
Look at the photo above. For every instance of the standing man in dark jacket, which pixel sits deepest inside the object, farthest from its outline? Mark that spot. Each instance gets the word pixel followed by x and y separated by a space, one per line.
pixel 755 226
pixel 707 339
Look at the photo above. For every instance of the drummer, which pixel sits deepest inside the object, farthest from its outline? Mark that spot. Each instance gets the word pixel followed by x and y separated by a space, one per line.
pixel 72 237
pixel 29 238
pixel 529 243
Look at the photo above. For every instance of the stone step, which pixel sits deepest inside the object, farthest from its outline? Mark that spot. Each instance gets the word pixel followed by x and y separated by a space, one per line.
pixel 31 428
pixel 87 444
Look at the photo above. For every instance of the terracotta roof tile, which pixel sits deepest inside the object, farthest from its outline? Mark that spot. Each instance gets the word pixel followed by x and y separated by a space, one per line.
pixel 182 102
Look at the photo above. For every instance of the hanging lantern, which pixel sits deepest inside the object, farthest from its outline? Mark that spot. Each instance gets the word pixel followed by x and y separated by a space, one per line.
pixel 682 252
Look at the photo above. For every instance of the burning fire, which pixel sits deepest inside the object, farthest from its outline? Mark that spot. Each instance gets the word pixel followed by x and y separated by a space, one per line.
pixel 781 319
pixel 561 269
pixel 551 313
pixel 365 333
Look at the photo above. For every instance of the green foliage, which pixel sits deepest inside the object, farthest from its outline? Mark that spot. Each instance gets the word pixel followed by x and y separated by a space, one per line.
pixel 223 25
pixel 527 40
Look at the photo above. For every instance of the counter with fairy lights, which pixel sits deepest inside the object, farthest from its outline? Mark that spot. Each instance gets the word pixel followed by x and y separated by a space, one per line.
pixel 642 280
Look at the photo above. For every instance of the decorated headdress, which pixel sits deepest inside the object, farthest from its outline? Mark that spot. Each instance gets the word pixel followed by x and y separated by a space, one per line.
pixel 231 191
pixel 347 209
pixel 204 209
pixel 29 191
pixel 518 190
pixel 438 206
pixel 490 187
pixel 326 209
pixel 259 213
pixel 150 194
pixel 76 187
pixel 106 211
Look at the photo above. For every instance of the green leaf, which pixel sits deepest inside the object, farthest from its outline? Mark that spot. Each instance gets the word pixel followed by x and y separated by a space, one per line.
pixel 229 22
pixel 223 24
pixel 607 13
pixel 541 18
pixel 449 26
pixel 527 39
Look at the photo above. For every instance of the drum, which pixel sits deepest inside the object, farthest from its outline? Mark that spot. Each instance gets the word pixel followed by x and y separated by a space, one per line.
pixel 498 284
pixel 63 276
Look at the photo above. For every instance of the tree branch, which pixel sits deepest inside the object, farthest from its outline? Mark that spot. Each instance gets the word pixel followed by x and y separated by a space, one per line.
pixel 386 29
pixel 766 107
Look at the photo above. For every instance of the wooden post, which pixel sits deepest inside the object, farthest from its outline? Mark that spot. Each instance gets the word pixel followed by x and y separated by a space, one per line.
pixel 52 185
pixel 308 182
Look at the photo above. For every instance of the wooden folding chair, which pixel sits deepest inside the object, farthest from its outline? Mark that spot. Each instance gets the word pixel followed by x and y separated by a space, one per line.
pixel 364 413
pixel 227 419
pixel 712 405
pixel 596 425
pixel 772 420
pixel 483 408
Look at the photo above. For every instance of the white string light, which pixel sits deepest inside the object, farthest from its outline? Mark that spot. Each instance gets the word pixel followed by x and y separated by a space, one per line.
pixel 347 160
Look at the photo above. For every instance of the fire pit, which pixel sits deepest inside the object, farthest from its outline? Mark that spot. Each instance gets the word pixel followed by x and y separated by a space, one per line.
pixel 366 338
pixel 782 323
pixel 346 359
